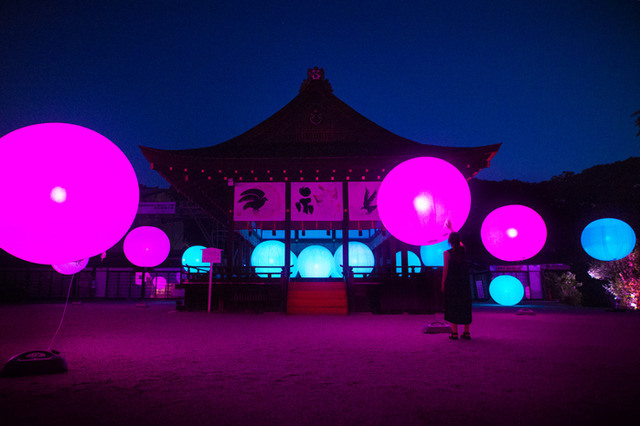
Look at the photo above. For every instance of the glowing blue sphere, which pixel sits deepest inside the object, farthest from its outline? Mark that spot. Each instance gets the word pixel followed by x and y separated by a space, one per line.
pixel 360 258
pixel 315 262
pixel 412 260
pixel 268 259
pixel 433 255
pixel 294 265
pixel 192 260
pixel 506 290
pixel 608 239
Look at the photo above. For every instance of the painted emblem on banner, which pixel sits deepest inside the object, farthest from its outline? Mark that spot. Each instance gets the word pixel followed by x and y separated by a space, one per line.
pixel 363 200
pixel 316 201
pixel 259 201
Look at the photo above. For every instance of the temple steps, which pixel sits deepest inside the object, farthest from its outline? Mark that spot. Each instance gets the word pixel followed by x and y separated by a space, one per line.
pixel 317 298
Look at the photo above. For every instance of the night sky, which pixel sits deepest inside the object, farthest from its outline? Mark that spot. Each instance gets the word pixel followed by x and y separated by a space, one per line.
pixel 555 82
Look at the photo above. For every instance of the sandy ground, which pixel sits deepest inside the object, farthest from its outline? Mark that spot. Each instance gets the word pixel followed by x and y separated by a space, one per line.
pixel 156 366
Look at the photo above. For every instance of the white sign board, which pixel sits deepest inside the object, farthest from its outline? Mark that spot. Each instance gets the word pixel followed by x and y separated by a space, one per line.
pixel 211 255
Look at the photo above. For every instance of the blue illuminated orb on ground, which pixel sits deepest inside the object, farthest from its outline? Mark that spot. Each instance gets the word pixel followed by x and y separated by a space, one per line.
pixel 433 255
pixel 192 260
pixel 608 239
pixel 268 259
pixel 360 258
pixel 506 290
pixel 315 262
pixel 413 261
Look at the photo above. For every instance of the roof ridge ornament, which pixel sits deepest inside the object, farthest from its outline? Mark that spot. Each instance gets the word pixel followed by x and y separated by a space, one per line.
pixel 315 76
pixel 315 73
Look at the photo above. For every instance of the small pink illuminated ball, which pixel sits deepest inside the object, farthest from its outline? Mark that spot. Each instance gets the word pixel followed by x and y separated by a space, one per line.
pixel 160 283
pixel 513 232
pixel 71 268
pixel 68 193
pixel 146 246
pixel 419 197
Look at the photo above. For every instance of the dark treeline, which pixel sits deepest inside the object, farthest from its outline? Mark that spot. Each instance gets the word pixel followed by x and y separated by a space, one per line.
pixel 567 203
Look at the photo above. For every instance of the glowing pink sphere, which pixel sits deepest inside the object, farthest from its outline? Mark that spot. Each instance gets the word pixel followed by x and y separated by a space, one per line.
pixel 513 232
pixel 419 197
pixel 147 246
pixel 160 282
pixel 71 268
pixel 68 193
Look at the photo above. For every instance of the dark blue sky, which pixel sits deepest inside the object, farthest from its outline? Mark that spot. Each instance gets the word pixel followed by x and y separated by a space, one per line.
pixel 554 81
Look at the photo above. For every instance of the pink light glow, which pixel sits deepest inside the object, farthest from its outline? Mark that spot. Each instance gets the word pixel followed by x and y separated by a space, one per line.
pixel 146 246
pixel 68 193
pixel 160 282
pixel 419 196
pixel 513 232
pixel 71 268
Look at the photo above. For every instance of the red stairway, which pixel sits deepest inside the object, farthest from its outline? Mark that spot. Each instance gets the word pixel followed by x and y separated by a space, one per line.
pixel 317 298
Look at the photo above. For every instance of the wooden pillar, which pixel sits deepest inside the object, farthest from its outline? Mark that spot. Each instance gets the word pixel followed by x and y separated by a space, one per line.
pixel 230 237
pixel 404 259
pixel 287 248
pixel 346 271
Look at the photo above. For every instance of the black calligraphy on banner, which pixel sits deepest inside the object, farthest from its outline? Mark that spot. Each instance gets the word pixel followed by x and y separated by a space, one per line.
pixel 363 200
pixel 259 201
pixel 318 201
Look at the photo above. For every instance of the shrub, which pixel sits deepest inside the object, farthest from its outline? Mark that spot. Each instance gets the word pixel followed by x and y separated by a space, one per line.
pixel 622 279
pixel 564 287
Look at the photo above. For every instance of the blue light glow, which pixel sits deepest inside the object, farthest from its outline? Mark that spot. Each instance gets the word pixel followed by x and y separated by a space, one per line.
pixel 506 290
pixel 192 260
pixel 413 261
pixel 268 259
pixel 433 255
pixel 608 239
pixel 360 257
pixel 315 262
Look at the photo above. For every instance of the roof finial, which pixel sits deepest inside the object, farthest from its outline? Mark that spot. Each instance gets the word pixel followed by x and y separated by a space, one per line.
pixel 315 74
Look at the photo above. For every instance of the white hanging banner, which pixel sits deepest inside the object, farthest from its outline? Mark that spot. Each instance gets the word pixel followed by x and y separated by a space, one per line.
pixel 259 201
pixel 363 200
pixel 316 201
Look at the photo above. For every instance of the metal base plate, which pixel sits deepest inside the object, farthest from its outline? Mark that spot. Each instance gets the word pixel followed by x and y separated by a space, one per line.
pixel 34 363
pixel 437 327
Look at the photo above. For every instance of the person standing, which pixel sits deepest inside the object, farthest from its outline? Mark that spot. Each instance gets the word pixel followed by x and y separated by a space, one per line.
pixel 455 285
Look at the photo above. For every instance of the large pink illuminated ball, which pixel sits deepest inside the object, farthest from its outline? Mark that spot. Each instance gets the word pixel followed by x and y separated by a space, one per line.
pixel 146 246
pixel 68 193
pixel 419 197
pixel 513 232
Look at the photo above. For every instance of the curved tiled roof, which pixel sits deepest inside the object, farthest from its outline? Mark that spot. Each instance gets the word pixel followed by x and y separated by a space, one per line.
pixel 316 136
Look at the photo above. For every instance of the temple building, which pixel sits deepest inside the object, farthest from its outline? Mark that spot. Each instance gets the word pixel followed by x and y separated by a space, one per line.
pixel 307 175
